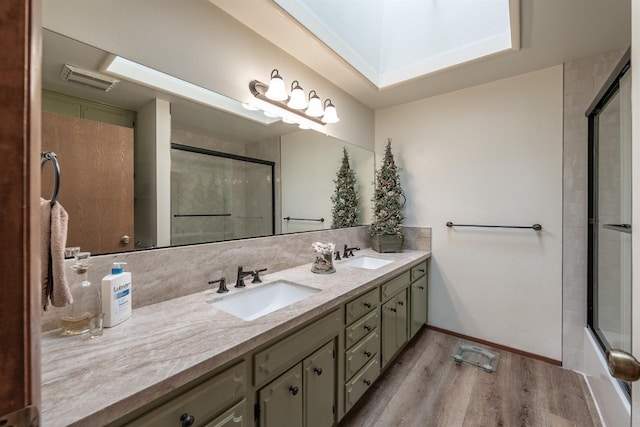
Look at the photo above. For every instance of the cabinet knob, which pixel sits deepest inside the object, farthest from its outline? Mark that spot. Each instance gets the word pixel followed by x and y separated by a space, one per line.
pixel 367 353
pixel 400 302
pixel 125 239
pixel 367 382
pixel 367 304
pixel 421 287
pixel 187 420
pixel 367 328
pixel 421 270
pixel 293 390
pixel 318 371
pixel 393 309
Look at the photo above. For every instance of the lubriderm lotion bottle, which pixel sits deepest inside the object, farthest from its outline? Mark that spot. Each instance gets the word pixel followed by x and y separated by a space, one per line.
pixel 116 296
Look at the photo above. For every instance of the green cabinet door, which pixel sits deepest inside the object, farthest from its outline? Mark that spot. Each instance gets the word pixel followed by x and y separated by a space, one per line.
pixel 281 400
pixel 393 325
pixel 388 330
pixel 319 387
pixel 402 319
pixel 418 304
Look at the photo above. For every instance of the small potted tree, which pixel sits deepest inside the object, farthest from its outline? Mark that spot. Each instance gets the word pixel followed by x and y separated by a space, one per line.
pixel 388 199
pixel 345 197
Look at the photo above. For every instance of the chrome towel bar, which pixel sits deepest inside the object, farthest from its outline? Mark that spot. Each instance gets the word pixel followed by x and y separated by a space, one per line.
pixel 288 218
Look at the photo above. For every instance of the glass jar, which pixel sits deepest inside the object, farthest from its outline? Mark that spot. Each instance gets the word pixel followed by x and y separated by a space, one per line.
pixel 86 304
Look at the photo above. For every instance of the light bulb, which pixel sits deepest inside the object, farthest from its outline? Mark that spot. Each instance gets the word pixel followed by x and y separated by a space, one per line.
pixel 315 105
pixel 297 101
pixel 330 113
pixel 276 91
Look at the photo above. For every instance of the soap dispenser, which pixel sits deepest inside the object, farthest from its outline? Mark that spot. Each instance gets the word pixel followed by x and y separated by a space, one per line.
pixel 116 296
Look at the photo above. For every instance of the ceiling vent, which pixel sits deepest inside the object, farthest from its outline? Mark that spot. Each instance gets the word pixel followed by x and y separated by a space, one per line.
pixel 88 78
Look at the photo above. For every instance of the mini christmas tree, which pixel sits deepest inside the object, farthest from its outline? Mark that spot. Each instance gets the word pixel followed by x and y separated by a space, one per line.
pixel 388 199
pixel 345 197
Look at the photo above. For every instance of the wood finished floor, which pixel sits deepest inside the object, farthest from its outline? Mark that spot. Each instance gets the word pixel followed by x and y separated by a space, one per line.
pixel 424 387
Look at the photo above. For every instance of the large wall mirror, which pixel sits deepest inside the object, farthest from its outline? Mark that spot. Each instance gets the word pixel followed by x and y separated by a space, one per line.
pixel 216 175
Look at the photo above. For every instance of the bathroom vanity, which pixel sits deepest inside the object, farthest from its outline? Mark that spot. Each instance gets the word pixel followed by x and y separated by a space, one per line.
pixel 186 362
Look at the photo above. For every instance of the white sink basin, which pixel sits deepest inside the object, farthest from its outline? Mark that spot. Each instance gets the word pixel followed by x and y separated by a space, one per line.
pixel 262 300
pixel 367 262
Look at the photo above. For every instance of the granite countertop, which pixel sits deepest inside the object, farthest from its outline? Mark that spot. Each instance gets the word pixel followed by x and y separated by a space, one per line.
pixel 166 345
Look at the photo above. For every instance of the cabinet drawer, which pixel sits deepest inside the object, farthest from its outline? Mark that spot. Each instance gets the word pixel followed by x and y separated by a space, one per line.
pixel 394 285
pixel 361 353
pixel 202 402
pixel 355 388
pixel 234 417
pixel 362 327
pixel 289 351
pixel 361 305
pixel 419 270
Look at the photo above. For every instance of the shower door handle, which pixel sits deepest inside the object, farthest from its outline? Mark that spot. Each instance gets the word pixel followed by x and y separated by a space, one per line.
pixel 623 365
pixel 625 228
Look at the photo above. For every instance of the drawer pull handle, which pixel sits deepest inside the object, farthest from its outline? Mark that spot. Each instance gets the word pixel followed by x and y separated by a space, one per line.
pixel 318 371
pixel 421 287
pixel 392 309
pixel 367 328
pixel 187 420
pixel 367 353
pixel 293 390
pixel 421 270
pixel 367 304
pixel 367 382
pixel 401 302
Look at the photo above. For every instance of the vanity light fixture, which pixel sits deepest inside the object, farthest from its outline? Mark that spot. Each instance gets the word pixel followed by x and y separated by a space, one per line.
pixel 273 99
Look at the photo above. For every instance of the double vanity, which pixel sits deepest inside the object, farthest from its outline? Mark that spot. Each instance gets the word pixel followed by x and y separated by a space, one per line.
pixel 300 349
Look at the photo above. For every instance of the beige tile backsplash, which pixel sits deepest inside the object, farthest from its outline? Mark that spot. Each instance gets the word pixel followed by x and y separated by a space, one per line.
pixel 163 274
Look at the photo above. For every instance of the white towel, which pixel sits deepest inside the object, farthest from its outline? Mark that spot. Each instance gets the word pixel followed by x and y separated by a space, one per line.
pixel 53 225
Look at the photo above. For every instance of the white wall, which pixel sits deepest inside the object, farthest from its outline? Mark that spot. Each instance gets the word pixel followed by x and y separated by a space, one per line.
pixel 490 154
pixel 152 183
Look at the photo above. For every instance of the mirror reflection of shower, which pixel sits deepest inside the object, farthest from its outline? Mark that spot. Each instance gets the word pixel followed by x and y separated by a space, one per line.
pixel 217 196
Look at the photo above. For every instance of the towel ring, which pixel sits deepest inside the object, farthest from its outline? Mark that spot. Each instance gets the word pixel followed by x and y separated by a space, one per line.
pixel 44 157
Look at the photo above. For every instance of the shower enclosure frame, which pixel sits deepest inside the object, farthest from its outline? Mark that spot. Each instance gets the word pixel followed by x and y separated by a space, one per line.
pixel 610 89
pixel 220 154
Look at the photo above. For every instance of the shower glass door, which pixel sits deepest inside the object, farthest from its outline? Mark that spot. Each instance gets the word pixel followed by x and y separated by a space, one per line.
pixel 610 217
pixel 218 196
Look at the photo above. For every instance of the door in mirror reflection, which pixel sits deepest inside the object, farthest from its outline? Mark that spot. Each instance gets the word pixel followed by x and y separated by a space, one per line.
pixel 96 180
pixel 217 196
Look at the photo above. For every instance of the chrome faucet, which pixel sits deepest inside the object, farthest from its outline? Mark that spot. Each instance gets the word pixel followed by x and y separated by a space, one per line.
pixel 349 251
pixel 241 275
pixel 223 285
